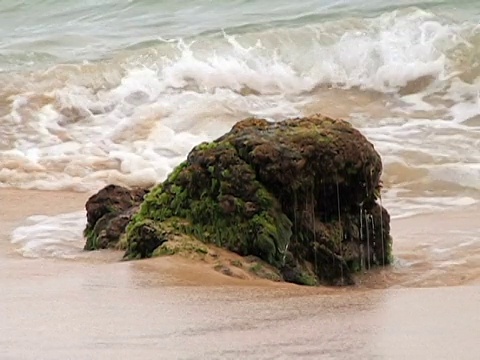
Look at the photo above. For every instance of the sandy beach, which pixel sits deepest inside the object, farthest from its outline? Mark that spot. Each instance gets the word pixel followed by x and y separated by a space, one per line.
pixel 96 307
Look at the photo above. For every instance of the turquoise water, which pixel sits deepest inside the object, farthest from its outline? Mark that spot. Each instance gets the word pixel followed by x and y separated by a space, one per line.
pixel 44 32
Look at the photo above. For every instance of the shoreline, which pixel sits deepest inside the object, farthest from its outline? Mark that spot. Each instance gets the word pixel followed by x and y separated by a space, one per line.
pixel 421 246
pixel 97 307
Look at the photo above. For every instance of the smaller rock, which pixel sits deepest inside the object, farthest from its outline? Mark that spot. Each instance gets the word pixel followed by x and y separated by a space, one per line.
pixel 110 230
pixel 108 213
pixel 112 199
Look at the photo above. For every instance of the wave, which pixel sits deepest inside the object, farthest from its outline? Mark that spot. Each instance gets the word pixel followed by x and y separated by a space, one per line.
pixel 131 118
pixel 383 53
pixel 50 236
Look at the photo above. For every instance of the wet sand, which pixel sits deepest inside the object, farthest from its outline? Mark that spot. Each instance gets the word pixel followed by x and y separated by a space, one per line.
pixel 97 308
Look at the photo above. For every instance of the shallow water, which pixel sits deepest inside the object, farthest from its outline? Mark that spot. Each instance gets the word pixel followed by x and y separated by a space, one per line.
pixel 437 249
pixel 81 311
pixel 96 307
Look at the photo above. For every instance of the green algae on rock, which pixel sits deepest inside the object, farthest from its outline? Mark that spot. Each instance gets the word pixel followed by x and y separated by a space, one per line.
pixel 299 194
pixel 218 195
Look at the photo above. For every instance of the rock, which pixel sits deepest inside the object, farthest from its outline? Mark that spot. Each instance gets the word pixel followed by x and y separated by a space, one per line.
pixel 299 194
pixel 145 237
pixel 108 213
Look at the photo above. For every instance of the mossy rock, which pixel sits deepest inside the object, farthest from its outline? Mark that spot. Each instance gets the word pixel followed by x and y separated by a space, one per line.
pixel 144 237
pixel 182 245
pixel 299 194
pixel 223 202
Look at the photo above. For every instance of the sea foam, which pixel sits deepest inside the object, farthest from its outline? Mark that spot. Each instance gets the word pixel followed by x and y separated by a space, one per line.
pixel 50 236
pixel 132 118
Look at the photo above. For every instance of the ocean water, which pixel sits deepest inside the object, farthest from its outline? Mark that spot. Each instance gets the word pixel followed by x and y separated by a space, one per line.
pixel 104 91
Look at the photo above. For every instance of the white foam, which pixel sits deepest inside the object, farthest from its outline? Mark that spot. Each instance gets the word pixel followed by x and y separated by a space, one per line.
pixel 51 236
pixel 132 119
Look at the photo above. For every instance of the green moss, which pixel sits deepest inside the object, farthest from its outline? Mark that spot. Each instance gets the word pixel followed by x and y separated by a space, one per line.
pixel 266 234
pixel 164 250
pixel 91 239
pixel 354 265
pixel 336 233
pixel 256 268
pixel 144 236
pixel 273 233
pixel 206 146
pixel 177 171
pixel 309 134
pixel 95 234
pixel 226 174
pixel 122 242
pixel 201 250
pixel 182 245
pixel 307 279
pixel 264 197
pixel 111 208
